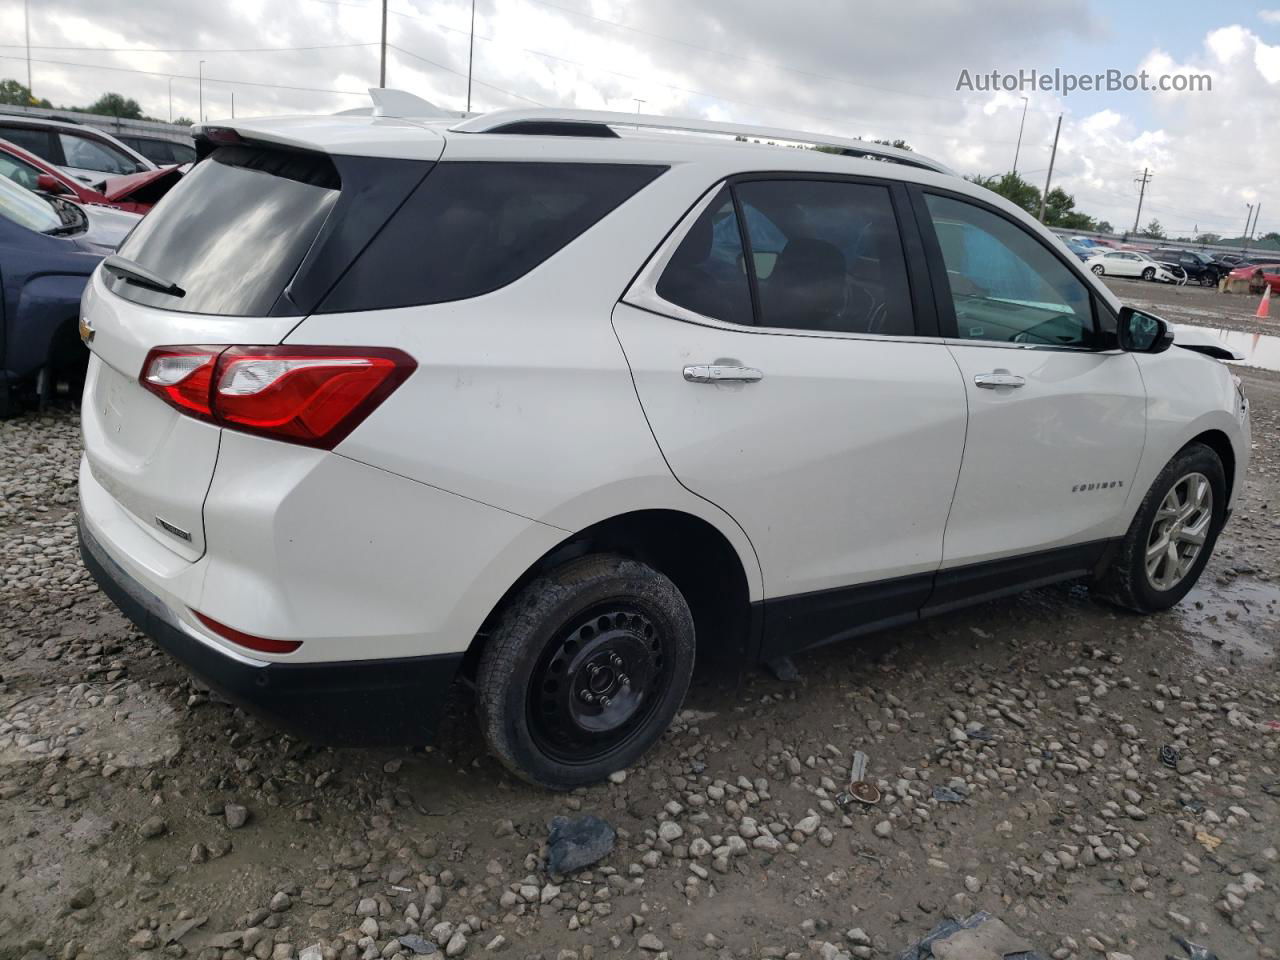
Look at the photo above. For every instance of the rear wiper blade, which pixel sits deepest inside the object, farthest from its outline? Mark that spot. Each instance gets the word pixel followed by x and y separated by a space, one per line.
pixel 137 273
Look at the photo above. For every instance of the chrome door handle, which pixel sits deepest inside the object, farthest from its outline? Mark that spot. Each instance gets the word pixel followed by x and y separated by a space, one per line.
pixel 721 373
pixel 992 380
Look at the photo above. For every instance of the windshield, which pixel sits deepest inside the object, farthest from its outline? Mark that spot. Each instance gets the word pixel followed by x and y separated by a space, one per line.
pixel 27 209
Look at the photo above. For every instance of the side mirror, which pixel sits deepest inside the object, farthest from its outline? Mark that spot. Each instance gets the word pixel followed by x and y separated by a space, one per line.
pixel 48 183
pixel 1142 333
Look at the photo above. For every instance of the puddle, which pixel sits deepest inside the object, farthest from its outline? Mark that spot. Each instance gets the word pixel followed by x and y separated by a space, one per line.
pixel 1239 619
pixel 1258 349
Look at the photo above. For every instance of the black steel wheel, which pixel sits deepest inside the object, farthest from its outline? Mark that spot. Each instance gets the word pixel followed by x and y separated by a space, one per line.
pixel 585 670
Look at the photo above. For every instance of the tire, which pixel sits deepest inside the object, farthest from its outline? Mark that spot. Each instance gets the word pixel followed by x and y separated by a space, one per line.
pixel 1149 273
pixel 1208 279
pixel 585 670
pixel 1097 270
pixel 1127 581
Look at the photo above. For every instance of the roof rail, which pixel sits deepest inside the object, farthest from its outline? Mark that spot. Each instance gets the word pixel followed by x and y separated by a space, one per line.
pixel 525 120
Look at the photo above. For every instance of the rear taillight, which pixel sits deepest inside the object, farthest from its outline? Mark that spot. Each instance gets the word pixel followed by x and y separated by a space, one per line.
pixel 310 395
pixel 240 638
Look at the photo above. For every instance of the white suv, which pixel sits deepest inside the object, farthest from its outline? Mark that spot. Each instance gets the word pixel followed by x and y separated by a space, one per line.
pixel 560 401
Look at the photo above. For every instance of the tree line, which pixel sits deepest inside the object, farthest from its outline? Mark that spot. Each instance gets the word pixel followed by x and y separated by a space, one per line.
pixel 109 104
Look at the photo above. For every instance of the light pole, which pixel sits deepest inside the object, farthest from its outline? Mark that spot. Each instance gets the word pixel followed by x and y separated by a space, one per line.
pixel 471 53
pixel 382 61
pixel 201 114
pixel 1018 149
pixel 26 17
pixel 171 99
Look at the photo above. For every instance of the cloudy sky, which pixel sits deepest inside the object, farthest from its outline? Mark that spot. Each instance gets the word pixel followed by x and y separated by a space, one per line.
pixel 848 67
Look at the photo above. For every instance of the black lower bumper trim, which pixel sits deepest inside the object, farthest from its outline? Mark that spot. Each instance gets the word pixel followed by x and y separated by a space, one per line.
pixel 352 702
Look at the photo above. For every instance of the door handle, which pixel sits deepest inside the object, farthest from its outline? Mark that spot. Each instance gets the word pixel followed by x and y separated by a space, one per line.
pixel 992 380
pixel 721 373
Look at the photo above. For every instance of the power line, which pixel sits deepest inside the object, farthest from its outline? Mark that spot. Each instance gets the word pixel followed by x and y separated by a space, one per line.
pixel 459 73
pixel 328 46
pixel 184 76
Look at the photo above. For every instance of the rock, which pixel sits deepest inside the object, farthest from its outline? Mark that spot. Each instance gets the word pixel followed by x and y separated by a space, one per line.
pixel 237 816
pixel 809 825
pixel 82 898
pixel 457 943
pixel 883 829
pixel 280 902
pixel 417 944
pixel 577 843
pixel 369 927
pixel 368 907
pixel 153 827
pixel 670 831
pixel 618 776
pixel 313 952
pixel 650 942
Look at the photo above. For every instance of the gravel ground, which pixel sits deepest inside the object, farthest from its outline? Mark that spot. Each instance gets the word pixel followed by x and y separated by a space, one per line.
pixel 1017 747
pixel 1192 303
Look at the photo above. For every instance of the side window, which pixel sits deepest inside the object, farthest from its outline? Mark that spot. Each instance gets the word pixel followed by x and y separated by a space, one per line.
pixel 707 274
pixel 827 256
pixel 31 139
pixel 471 227
pixel 23 174
pixel 1005 284
pixel 90 154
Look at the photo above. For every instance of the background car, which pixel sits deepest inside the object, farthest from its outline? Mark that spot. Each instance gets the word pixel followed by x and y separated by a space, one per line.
pixel 1270 273
pixel 1082 247
pixel 161 150
pixel 1197 266
pixel 136 193
pixel 89 155
pixel 1130 263
pixel 48 248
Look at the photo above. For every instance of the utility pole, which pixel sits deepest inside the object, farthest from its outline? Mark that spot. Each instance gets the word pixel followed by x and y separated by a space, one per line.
pixel 382 63
pixel 26 17
pixel 171 99
pixel 1018 149
pixel 1247 217
pixel 1044 197
pixel 233 104
pixel 638 102
pixel 471 53
pixel 1142 192
pixel 200 117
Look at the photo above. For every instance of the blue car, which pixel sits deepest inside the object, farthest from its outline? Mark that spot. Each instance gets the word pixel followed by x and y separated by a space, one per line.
pixel 48 248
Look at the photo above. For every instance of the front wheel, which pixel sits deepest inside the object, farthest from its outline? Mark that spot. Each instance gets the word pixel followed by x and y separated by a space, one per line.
pixel 587 667
pixel 1097 270
pixel 1208 280
pixel 1173 535
pixel 1149 273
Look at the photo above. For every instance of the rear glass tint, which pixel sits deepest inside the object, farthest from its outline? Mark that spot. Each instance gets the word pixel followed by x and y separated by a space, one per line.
pixel 472 227
pixel 233 231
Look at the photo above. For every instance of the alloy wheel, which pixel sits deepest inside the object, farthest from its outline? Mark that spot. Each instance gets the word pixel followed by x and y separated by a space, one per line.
pixel 1179 531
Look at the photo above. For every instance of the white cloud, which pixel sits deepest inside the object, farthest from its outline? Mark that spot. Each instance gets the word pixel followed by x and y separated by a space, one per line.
pixel 1269 16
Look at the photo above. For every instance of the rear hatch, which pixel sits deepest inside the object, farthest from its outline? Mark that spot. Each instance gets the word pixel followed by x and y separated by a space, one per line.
pixel 250 240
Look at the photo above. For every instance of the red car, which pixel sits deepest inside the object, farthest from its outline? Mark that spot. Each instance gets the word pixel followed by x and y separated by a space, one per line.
pixel 1270 273
pixel 136 193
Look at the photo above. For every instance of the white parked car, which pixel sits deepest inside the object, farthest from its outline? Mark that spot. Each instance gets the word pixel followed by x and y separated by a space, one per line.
pixel 1131 263
pixel 563 402
pixel 90 155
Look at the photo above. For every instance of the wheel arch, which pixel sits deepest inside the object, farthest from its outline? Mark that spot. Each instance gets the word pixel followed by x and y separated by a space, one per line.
pixel 1219 443
pixel 699 558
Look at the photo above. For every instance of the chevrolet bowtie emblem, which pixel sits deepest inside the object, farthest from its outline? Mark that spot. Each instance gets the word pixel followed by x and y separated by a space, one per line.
pixel 86 330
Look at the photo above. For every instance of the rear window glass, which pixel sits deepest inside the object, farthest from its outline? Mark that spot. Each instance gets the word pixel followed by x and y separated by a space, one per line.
pixel 472 227
pixel 233 231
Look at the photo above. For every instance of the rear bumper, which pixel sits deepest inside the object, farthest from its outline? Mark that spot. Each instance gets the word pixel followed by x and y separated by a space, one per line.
pixel 357 702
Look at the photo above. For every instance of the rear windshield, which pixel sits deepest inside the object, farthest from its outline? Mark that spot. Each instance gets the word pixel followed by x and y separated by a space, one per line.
pixel 233 231
pixel 472 227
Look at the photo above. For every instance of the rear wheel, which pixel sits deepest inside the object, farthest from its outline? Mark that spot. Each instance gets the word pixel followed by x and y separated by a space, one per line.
pixel 1097 270
pixel 585 670
pixel 1173 535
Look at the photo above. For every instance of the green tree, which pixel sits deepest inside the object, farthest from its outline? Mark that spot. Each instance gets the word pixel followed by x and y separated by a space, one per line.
pixel 1059 211
pixel 1013 188
pixel 1104 226
pixel 16 94
pixel 1154 230
pixel 1208 238
pixel 115 105
pixel 1273 235
pixel 900 144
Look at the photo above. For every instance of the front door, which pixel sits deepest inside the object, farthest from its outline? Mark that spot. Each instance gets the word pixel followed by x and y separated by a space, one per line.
pixel 791 389
pixel 1056 422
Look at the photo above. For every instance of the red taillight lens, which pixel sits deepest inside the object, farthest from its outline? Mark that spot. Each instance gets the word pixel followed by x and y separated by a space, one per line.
pixel 261 644
pixel 309 395
pixel 182 376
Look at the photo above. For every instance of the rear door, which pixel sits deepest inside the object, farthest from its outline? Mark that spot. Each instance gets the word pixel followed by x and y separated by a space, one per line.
pixel 1057 415
pixel 800 391
pixel 240 236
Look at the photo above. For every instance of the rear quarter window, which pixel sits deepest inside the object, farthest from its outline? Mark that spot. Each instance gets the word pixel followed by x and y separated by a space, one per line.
pixel 472 227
